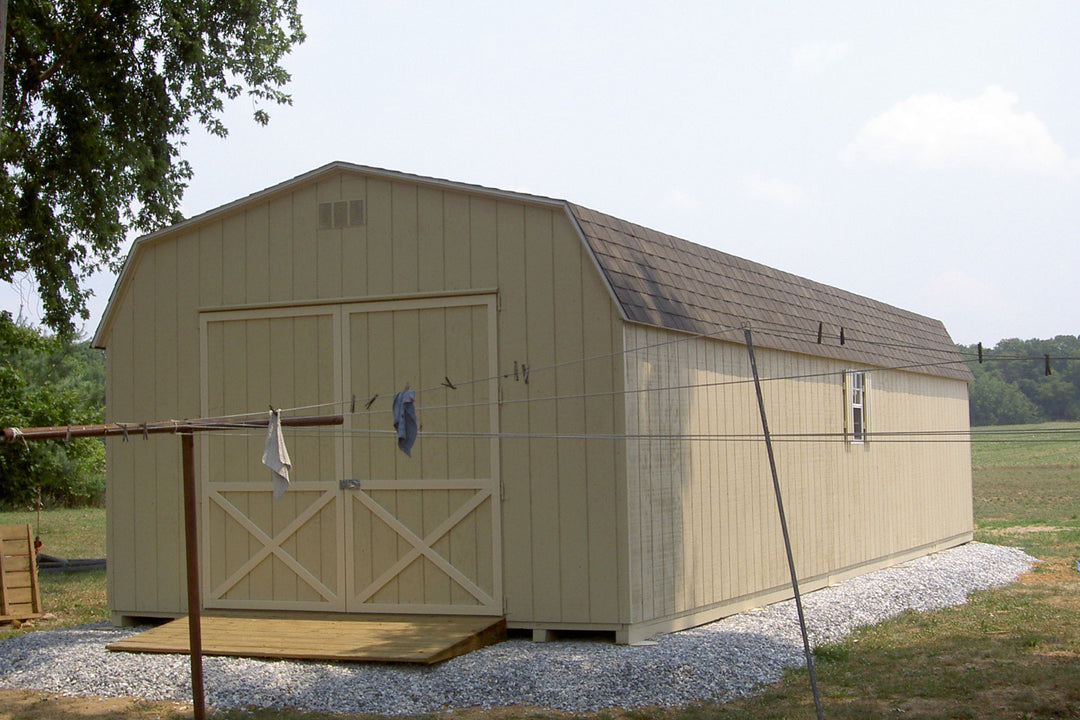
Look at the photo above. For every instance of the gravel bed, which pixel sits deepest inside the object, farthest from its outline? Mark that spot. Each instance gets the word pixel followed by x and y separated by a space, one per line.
pixel 722 660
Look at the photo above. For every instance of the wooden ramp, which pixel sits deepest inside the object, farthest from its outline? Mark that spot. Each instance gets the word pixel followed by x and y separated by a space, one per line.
pixel 410 639
pixel 19 597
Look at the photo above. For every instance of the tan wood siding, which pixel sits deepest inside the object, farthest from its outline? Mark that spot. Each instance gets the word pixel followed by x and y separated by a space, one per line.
pixel 699 483
pixel 564 551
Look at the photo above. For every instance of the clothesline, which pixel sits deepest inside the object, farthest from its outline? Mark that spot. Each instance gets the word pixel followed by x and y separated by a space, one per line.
pixel 601 393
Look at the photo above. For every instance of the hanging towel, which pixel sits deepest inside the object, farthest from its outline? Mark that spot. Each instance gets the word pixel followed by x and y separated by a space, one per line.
pixel 276 455
pixel 405 420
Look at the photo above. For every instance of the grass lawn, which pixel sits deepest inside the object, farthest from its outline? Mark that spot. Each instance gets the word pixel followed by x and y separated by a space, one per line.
pixel 74 598
pixel 1010 652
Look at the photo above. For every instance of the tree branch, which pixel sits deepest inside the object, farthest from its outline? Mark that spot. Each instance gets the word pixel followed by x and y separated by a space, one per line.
pixel 70 49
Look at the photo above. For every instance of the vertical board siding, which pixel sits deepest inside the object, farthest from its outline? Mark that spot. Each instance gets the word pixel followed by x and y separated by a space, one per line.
pixel 120 507
pixel 513 347
pixel 143 385
pixel 166 400
pixel 328 243
pixel 564 549
pixel 699 481
pixel 543 466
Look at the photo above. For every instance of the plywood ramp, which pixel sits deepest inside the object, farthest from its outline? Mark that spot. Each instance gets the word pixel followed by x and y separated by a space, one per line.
pixel 415 639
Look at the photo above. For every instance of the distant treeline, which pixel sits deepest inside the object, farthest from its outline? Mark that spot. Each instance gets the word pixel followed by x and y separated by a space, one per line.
pixel 1011 385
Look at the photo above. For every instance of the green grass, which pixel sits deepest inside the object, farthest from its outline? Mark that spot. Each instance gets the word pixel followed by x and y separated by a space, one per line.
pixel 1045 445
pixel 1010 652
pixel 66 533
pixel 70 598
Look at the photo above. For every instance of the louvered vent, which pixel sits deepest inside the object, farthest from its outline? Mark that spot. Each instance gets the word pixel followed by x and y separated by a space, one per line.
pixel 343 213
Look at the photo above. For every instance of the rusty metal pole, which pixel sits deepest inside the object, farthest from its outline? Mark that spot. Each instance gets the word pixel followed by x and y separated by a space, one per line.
pixel 783 524
pixel 191 541
pixel 186 429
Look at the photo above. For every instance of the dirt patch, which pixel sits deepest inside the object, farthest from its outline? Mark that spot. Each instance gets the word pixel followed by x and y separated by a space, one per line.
pixel 36 705
pixel 1025 529
pixel 1051 570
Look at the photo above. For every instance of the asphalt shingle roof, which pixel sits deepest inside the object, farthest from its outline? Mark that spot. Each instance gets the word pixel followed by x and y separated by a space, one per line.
pixel 665 281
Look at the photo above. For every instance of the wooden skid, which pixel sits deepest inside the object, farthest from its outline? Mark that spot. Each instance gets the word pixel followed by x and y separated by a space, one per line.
pixel 425 640
pixel 19 597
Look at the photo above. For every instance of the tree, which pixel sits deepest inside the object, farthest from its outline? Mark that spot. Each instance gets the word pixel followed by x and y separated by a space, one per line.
pixel 49 380
pixel 1012 387
pixel 996 402
pixel 97 98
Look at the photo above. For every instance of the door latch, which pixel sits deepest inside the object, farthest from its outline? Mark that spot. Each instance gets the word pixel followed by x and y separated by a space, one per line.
pixel 350 484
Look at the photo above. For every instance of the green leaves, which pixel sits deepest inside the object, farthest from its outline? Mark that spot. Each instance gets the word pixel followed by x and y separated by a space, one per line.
pixel 44 381
pixel 97 99
pixel 1011 386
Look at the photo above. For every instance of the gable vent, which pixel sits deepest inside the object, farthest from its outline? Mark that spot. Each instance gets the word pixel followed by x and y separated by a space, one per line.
pixel 343 213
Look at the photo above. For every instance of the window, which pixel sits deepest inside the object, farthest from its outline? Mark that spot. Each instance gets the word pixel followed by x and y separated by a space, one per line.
pixel 856 386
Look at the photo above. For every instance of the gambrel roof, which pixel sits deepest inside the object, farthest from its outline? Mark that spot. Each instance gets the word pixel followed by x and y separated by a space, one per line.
pixel 658 279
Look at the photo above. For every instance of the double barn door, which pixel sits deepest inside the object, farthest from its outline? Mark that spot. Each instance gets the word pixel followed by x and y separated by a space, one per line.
pixel 362 527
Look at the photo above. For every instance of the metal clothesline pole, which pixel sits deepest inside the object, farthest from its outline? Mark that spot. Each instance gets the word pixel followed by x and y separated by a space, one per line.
pixel 783 525
pixel 186 430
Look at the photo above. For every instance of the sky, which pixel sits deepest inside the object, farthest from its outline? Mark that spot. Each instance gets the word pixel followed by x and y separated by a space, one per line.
pixel 925 154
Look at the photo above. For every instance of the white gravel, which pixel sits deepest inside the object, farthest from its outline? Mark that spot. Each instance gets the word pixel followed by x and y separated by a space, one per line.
pixel 721 660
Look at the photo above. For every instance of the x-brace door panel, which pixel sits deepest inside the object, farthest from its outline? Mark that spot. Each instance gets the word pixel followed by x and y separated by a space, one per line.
pixel 424 549
pixel 258 552
pixel 423 531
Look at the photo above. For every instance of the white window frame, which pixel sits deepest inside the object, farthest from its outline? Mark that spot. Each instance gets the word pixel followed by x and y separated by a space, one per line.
pixel 856 406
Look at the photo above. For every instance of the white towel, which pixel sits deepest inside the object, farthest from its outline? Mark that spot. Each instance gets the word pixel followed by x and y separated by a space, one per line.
pixel 276 455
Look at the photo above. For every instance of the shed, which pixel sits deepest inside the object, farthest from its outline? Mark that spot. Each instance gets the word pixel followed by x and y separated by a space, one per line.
pixel 590 454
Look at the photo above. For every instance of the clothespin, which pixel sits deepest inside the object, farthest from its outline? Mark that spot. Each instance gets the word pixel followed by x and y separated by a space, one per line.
pixel 820 330
pixel 1047 357
pixel 145 432
pixel 67 437
pixel 371 401
pixel 980 353
pixel 352 407
pixel 123 429
pixel 525 373
pixel 447 384
pixel 841 336
pixel 516 378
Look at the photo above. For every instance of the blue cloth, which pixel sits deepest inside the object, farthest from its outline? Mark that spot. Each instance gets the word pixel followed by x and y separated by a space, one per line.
pixel 405 420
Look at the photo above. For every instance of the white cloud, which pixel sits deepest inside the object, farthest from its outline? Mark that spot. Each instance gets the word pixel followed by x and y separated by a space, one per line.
pixel 776 191
pixel 816 58
pixel 937 132
pixel 676 199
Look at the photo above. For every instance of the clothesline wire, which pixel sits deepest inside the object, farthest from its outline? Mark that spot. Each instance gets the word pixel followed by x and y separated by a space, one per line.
pixel 634 391
pixel 499 376
pixel 550 398
pixel 721 329
pixel 859 338
pixel 1063 435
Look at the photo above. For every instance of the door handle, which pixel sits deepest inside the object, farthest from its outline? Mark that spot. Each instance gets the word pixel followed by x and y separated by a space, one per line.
pixel 350 484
